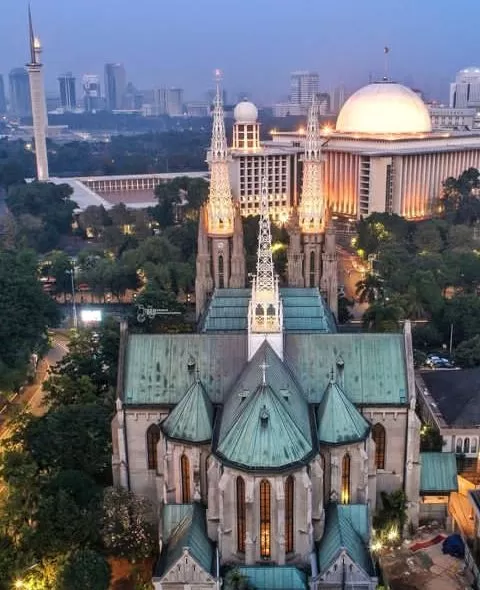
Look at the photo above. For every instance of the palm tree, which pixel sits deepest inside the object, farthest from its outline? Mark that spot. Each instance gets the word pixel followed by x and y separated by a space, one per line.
pixel 369 289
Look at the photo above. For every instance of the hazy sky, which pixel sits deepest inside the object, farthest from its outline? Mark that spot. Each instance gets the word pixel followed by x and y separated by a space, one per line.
pixel 257 43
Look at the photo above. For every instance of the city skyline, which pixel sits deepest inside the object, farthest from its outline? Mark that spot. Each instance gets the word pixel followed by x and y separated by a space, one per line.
pixel 343 43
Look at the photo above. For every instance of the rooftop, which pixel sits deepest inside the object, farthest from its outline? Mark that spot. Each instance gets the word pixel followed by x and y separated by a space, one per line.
pixel 457 395
pixel 275 577
pixel 438 473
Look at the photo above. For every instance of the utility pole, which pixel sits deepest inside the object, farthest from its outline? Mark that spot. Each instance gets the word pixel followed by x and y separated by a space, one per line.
pixel 74 304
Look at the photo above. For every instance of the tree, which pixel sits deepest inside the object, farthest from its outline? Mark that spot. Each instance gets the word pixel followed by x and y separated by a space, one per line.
pixel 463 313
pixel 127 528
pixel 25 313
pixel 430 439
pixel 235 580
pixel 427 237
pixel 460 237
pixel 393 512
pixel 344 307
pixel 467 353
pixel 369 289
pixel 57 265
pixel 93 220
pixel 426 337
pixel 85 569
pixel 382 317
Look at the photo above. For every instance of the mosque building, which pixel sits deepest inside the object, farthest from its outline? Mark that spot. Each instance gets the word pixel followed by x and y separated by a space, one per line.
pixel 265 439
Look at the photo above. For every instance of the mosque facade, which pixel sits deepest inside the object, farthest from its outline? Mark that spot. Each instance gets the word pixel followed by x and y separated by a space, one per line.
pixel 265 439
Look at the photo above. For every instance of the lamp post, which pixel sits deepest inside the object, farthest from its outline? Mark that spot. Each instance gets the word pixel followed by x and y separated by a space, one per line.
pixel 74 304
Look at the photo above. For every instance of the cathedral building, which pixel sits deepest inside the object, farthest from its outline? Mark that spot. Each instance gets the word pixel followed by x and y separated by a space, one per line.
pixel 265 439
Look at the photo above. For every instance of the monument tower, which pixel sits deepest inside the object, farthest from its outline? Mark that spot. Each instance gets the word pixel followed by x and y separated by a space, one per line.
pixel 39 108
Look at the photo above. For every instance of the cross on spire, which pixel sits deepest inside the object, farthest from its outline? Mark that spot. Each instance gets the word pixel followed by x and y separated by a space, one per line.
pixel 265 279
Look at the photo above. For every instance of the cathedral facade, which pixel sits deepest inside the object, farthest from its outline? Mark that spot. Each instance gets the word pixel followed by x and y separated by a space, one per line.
pixel 265 439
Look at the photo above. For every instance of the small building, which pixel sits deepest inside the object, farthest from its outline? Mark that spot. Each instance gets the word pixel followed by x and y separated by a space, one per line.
pixel 438 479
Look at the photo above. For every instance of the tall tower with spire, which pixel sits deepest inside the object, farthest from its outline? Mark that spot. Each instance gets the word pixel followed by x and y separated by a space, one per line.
pixel 265 312
pixel 39 108
pixel 220 239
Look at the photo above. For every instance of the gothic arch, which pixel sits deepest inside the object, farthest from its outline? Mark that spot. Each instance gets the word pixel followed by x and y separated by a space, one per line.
pixel 265 519
pixel 185 477
pixel 289 514
pixel 153 436
pixel 221 272
pixel 312 269
pixel 346 462
pixel 241 515
pixel 379 436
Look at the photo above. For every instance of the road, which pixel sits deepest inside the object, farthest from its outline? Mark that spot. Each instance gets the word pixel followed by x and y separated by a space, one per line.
pixel 31 396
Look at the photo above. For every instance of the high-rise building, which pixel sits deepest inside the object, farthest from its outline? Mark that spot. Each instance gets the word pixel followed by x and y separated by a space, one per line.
pixel 20 103
pixel 39 109
pixel 3 100
pixel 133 99
pixel 465 91
pixel 303 87
pixel 323 101
pixel 115 86
pixel 337 99
pixel 68 95
pixel 92 98
pixel 175 102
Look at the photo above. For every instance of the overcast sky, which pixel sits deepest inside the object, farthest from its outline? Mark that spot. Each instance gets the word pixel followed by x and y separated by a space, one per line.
pixel 257 43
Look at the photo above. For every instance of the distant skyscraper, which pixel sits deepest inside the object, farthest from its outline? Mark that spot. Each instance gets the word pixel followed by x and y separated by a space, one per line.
pixel 20 103
pixel 337 99
pixel 175 102
pixel 92 98
pixel 465 91
pixel 323 102
pixel 303 87
pixel 133 99
pixel 3 100
pixel 39 109
pixel 159 102
pixel 68 95
pixel 115 86
pixel 211 96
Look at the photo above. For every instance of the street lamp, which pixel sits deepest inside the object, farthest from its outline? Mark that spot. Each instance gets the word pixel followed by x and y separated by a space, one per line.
pixel 74 305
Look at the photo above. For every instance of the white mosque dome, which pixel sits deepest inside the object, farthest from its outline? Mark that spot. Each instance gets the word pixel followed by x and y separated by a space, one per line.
pixel 245 112
pixel 384 108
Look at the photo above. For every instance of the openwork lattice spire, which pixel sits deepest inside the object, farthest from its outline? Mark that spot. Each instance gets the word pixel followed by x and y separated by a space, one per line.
pixel 265 279
pixel 312 203
pixel 220 202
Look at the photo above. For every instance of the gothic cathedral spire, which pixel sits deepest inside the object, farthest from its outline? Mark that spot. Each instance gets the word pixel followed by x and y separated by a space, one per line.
pixel 265 312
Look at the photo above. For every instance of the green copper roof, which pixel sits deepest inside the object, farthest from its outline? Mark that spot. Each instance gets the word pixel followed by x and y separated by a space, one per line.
pixel 346 528
pixel 338 420
pixel 185 526
pixel 159 368
pixel 275 577
pixel 192 418
pixel 303 311
pixel 265 424
pixel 438 473
pixel 374 369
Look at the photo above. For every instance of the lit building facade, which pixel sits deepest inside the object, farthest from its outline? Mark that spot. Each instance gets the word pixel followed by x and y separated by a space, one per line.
pixel 92 96
pixel 20 101
pixel 452 118
pixel 465 91
pixel 68 94
pixel 115 86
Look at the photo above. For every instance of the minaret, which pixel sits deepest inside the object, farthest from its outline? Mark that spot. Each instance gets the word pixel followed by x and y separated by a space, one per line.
pixel 265 312
pixel 312 205
pixel 39 109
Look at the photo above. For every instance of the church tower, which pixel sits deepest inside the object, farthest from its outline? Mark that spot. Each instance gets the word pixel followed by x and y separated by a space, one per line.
pixel 265 311
pixel 39 108
pixel 220 256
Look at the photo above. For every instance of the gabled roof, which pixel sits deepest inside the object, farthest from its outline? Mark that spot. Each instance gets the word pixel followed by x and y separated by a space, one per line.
pixel 192 418
pixel 275 577
pixel 303 311
pixel 374 368
pixel 265 424
pixel 457 395
pixel 346 529
pixel 338 420
pixel 438 473
pixel 184 527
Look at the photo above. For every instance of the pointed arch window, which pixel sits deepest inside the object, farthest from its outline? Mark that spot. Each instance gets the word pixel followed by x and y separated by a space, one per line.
pixel 289 514
pixel 326 494
pixel 346 479
pixel 473 447
pixel 312 269
pixel 185 471
pixel 459 446
pixel 466 445
pixel 153 436
pixel 265 519
pixel 241 515
pixel 379 436
pixel 221 272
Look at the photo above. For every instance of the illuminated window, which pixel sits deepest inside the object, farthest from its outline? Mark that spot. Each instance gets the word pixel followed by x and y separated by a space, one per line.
pixel 185 469
pixel 346 479
pixel 241 515
pixel 221 272
pixel 153 436
pixel 289 518
pixel 378 434
pixel 265 518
